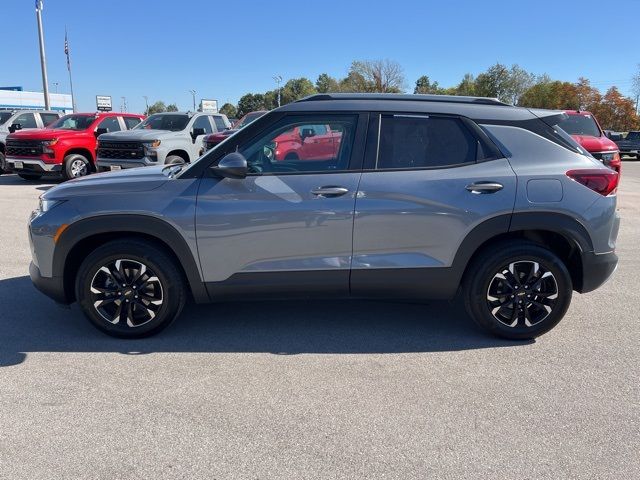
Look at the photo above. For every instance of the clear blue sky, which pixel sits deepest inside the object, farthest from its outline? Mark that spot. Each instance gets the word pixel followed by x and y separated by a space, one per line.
pixel 224 49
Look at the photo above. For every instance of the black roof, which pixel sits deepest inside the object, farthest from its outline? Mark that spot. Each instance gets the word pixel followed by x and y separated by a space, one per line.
pixel 405 97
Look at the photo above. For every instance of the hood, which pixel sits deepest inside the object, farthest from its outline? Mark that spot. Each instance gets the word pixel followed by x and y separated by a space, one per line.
pixel 220 135
pixel 628 143
pixel 595 144
pixel 122 181
pixel 46 134
pixel 139 135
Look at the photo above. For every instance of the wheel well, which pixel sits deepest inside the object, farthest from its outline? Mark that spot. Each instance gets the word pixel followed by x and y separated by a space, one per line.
pixel 80 151
pixel 84 247
pixel 566 249
pixel 180 153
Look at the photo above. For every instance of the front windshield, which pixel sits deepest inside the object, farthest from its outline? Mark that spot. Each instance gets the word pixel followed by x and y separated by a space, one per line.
pixel 173 122
pixel 4 116
pixel 248 118
pixel 633 136
pixel 582 124
pixel 73 122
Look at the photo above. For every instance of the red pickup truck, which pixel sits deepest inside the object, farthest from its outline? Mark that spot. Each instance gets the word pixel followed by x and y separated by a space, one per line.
pixel 67 146
pixel 585 129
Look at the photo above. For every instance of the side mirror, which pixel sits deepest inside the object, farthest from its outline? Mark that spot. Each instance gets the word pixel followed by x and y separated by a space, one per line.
pixel 232 165
pixel 197 132
pixel 100 131
pixel 14 127
pixel 306 133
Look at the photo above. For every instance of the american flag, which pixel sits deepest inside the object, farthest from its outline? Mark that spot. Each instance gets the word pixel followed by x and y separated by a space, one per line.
pixel 66 48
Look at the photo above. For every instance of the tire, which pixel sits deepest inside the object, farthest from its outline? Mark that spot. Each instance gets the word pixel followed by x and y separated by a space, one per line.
pixel 75 166
pixel 141 314
pixel 536 304
pixel 30 176
pixel 292 157
pixel 174 160
pixel 3 164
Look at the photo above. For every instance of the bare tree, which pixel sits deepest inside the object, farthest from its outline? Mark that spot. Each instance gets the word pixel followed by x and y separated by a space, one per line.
pixel 383 76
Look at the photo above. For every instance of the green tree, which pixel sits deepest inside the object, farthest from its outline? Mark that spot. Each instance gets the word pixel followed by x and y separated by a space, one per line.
pixel 355 82
pixel 157 107
pixel 229 110
pixel 494 82
pixel 250 102
pixel 467 85
pixel 172 107
pixel 297 88
pixel 271 99
pixel 550 94
pixel 424 85
pixel 327 84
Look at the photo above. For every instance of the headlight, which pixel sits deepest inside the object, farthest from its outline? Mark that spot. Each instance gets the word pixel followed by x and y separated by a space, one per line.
pixel 152 144
pixel 607 157
pixel 46 205
pixel 49 143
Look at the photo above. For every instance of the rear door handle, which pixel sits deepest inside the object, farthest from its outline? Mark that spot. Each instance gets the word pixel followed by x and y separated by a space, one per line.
pixel 328 192
pixel 484 187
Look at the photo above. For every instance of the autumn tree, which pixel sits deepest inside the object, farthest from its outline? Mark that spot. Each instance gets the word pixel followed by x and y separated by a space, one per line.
pixel 551 94
pixel 382 76
pixel 615 111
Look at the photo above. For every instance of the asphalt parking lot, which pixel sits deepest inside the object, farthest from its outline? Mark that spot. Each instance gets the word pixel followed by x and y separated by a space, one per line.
pixel 318 389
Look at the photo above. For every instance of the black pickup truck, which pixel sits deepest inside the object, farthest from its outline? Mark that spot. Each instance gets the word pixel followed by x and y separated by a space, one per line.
pixel 629 145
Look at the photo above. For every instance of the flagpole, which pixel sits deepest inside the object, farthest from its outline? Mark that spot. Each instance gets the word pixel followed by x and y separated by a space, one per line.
pixel 66 50
pixel 43 60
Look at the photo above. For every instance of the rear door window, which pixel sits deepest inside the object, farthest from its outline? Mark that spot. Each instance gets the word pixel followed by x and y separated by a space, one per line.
pixel 203 122
pixel 219 123
pixel 131 122
pixel 422 141
pixel 111 124
pixel 48 118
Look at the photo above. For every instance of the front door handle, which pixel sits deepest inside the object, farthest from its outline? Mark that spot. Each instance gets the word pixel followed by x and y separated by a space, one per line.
pixel 328 192
pixel 484 187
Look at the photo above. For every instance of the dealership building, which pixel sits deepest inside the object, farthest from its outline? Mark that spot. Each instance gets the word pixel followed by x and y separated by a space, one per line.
pixel 14 98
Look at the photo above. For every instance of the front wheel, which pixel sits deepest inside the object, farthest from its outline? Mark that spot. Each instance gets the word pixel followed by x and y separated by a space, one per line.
pixel 517 291
pixel 130 288
pixel 75 166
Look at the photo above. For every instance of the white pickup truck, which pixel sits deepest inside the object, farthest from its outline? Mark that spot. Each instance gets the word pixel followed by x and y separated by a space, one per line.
pixel 12 120
pixel 163 138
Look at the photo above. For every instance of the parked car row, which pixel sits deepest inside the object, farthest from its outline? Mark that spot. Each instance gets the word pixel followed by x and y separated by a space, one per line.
pixel 81 143
pixel 629 143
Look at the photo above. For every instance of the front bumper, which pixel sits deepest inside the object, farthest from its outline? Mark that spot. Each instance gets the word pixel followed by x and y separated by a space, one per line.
pixel 32 166
pixel 52 287
pixel 107 163
pixel 597 269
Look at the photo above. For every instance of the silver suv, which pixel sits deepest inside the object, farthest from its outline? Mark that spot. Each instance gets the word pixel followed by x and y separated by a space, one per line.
pixel 13 120
pixel 394 196
pixel 163 138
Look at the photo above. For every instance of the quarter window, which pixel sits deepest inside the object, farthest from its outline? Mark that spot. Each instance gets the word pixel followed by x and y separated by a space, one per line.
pixel 420 141
pixel 295 145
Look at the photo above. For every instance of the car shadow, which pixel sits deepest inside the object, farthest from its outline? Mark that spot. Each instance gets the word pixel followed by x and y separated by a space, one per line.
pixel 30 322
pixel 47 181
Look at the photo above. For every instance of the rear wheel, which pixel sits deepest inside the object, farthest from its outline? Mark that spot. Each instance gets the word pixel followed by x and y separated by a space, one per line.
pixel 76 166
pixel 517 291
pixel 174 160
pixel 130 289
pixel 30 176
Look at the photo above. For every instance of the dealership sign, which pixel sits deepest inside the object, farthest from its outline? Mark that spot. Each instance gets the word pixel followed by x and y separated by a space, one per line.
pixel 103 103
pixel 209 106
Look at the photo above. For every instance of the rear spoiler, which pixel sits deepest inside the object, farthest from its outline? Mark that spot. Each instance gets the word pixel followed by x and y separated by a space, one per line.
pixel 550 117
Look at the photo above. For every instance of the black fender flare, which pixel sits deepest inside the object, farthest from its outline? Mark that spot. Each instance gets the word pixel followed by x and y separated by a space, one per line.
pixel 132 223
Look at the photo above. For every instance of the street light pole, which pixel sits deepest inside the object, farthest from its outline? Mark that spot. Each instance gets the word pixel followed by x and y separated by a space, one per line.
pixel 193 94
pixel 278 80
pixel 43 60
pixel 56 85
pixel 146 102
pixel 124 104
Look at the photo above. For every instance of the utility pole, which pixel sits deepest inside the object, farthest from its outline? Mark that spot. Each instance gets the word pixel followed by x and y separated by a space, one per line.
pixel 43 60
pixel 193 94
pixel 123 107
pixel 146 102
pixel 278 80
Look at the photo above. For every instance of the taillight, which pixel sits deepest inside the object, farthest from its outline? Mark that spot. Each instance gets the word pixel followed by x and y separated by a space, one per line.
pixel 601 181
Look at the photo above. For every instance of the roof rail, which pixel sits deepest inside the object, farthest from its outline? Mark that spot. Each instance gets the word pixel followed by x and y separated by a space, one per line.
pixel 404 97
